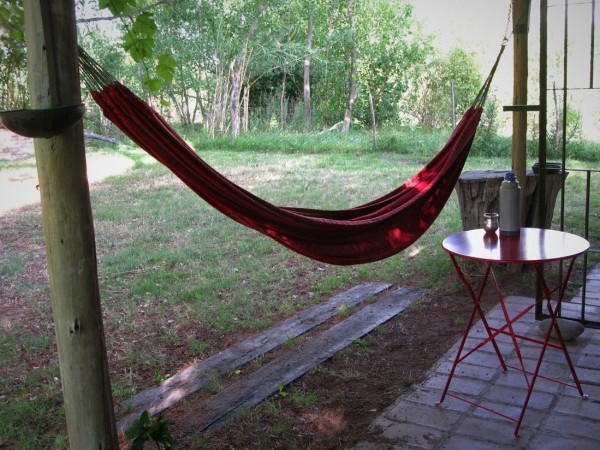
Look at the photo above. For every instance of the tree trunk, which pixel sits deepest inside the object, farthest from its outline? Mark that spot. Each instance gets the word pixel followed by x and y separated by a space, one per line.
pixel 352 78
pixel 557 120
pixel 222 103
pixel 69 230
pixel 478 193
pixel 282 102
pixel 216 117
pixel 373 123
pixel 237 73
pixel 234 103
pixel 246 107
pixel 309 36
pixel 182 111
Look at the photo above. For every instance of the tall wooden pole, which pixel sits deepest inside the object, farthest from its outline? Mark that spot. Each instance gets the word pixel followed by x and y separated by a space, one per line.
pixel 68 227
pixel 520 63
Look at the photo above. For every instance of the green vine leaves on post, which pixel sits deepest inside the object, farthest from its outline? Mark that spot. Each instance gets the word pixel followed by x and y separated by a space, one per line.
pixel 139 42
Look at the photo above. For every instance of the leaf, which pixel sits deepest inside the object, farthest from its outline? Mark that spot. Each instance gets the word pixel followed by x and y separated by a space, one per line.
pixel 138 48
pixel 154 84
pixel 117 7
pixel 145 418
pixel 144 25
pixel 166 67
pixel 17 35
pixel 137 430
pixel 4 13
pixel 137 445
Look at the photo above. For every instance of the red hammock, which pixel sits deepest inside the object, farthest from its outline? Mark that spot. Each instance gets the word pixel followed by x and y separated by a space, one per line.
pixel 367 233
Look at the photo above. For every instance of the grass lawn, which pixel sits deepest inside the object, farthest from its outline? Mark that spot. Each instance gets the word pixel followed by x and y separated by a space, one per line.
pixel 179 281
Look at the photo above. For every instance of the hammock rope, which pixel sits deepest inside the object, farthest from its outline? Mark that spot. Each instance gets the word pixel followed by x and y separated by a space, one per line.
pixel 367 233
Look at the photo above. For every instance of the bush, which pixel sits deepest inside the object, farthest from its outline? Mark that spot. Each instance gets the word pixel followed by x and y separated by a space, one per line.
pixel 580 150
pixel 491 145
pixel 584 151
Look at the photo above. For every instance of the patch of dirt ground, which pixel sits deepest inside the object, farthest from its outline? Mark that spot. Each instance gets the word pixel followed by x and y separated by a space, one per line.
pixel 332 406
pixel 19 187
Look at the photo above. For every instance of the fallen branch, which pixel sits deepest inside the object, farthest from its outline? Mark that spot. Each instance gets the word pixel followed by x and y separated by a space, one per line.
pixel 335 127
pixel 99 137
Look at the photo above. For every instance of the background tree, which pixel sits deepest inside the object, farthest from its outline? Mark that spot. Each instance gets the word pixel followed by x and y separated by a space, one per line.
pixel 352 63
pixel 237 71
pixel 429 99
pixel 243 63
pixel 13 62
pixel 391 53
pixel 306 91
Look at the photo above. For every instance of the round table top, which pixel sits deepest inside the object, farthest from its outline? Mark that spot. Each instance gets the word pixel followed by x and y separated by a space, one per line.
pixel 532 245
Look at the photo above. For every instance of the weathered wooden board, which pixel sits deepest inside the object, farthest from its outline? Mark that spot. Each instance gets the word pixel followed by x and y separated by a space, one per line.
pixel 268 379
pixel 158 398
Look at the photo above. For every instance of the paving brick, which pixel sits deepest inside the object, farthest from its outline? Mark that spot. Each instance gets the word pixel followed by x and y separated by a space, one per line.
pixel 483 357
pixel 431 398
pixel 577 406
pixel 547 369
pixel 439 418
pixel 531 418
pixel 548 442
pixel 557 417
pixel 464 443
pixel 458 385
pixel 573 426
pixel 511 411
pixel 512 378
pixel 590 376
pixel 381 423
pixel 505 346
pixel 493 431
pixel 591 390
pixel 416 435
pixel 589 362
pixel 593 348
pixel 532 352
pixel 516 396
pixel 466 369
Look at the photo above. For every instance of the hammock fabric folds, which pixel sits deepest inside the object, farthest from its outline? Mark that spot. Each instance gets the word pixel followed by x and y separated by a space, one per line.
pixel 367 233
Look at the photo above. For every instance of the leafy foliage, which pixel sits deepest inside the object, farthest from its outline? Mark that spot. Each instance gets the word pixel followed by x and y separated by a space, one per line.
pixel 429 100
pixel 146 429
pixel 139 41
pixel 13 85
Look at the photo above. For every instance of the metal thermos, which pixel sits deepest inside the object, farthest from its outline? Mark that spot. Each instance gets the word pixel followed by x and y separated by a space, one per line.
pixel 510 211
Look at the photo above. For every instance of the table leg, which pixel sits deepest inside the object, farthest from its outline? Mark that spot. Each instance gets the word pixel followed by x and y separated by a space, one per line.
pixel 553 312
pixel 476 298
pixel 509 324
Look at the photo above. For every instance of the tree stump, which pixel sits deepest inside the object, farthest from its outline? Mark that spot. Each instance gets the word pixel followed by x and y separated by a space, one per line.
pixel 478 192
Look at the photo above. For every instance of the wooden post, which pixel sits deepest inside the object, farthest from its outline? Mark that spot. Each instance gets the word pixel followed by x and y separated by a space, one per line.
pixel 68 227
pixel 519 137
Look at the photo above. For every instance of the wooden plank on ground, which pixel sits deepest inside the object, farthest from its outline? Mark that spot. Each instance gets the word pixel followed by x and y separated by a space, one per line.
pixel 158 398
pixel 268 380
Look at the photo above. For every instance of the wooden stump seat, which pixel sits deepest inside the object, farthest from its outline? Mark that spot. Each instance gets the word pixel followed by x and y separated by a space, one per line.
pixel 478 192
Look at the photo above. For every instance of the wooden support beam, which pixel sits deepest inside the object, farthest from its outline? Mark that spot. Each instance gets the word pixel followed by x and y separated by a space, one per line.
pixel 520 75
pixel 51 40
pixel 526 108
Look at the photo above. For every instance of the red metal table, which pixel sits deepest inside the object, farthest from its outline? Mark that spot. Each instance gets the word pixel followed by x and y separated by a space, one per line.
pixel 533 247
